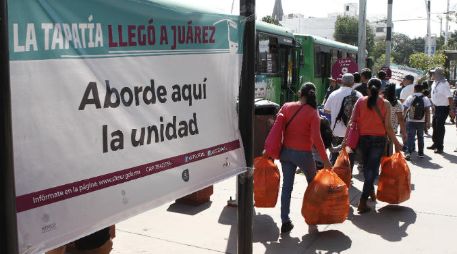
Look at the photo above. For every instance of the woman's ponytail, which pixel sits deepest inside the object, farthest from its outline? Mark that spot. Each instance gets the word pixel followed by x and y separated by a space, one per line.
pixel 374 85
pixel 308 90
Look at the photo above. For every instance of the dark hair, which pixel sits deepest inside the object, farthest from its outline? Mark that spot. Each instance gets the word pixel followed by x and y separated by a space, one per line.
pixel 425 85
pixel 356 77
pixel 308 90
pixel 366 73
pixel 374 85
pixel 389 94
pixel 418 88
pixel 382 75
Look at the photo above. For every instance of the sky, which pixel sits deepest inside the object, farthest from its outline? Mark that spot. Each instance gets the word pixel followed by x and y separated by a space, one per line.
pixel 402 9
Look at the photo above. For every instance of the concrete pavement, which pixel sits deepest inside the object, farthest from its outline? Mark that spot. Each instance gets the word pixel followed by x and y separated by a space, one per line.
pixel 424 224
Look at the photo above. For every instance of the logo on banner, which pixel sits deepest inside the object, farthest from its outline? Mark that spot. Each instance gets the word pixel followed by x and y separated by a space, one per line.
pixel 185 175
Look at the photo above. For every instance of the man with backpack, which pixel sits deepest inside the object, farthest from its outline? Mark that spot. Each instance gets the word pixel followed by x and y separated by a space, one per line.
pixel 417 111
pixel 340 105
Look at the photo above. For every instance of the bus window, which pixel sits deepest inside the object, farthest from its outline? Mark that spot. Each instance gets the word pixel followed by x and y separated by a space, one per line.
pixel 267 54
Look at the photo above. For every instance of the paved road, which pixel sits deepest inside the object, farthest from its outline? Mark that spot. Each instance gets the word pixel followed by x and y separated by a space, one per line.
pixel 424 224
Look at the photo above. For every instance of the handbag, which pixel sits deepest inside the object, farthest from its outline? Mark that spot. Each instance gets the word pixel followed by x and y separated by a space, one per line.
pixel 273 142
pixel 353 136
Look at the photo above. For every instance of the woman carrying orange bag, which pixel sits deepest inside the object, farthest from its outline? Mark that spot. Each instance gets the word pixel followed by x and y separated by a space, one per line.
pixel 300 134
pixel 372 116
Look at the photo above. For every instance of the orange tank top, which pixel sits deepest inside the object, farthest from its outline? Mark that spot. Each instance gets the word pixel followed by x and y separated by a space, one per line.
pixel 369 122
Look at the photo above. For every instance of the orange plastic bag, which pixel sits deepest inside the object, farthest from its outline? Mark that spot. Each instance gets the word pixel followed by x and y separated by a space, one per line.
pixel 326 199
pixel 394 184
pixel 266 182
pixel 342 167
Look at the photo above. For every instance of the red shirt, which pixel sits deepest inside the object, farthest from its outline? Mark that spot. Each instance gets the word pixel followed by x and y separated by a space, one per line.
pixel 369 122
pixel 304 130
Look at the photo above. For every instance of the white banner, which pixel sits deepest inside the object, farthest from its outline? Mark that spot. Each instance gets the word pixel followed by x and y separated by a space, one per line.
pixel 99 137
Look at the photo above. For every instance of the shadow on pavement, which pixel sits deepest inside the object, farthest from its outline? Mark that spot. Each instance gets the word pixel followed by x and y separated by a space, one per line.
pixel 450 157
pixel 188 209
pixel 425 162
pixel 285 244
pixel 389 222
pixel 265 229
pixel 228 217
pixel 332 241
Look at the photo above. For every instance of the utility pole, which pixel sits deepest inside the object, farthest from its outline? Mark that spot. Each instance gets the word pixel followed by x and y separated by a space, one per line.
pixel 429 36
pixel 246 116
pixel 446 30
pixel 389 32
pixel 361 55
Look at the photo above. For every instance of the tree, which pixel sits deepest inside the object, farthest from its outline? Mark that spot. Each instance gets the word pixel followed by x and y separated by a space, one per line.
pixel 379 49
pixel 271 20
pixel 424 62
pixel 402 48
pixel 347 29
pixel 418 44
pixel 380 62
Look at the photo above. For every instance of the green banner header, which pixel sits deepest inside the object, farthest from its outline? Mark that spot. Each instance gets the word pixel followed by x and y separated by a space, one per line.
pixel 53 29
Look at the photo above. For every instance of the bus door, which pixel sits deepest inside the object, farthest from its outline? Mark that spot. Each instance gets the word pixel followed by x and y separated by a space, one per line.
pixel 287 68
pixel 322 69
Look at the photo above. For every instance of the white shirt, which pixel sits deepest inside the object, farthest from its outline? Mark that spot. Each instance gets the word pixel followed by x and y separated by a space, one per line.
pixel 406 92
pixel 333 104
pixel 409 101
pixel 441 92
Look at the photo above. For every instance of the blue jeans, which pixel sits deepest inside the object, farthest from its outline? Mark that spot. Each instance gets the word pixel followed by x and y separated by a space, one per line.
pixel 290 160
pixel 371 149
pixel 413 129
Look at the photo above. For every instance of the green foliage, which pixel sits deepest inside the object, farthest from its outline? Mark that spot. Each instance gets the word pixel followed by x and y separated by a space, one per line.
pixel 424 62
pixel 380 62
pixel 346 31
pixel 271 20
pixel 402 48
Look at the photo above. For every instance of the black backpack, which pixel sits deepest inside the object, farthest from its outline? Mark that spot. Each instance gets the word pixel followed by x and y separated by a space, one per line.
pixel 346 108
pixel 417 109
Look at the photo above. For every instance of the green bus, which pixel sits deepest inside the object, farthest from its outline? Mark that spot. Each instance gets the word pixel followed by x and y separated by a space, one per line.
pixel 317 57
pixel 285 60
pixel 276 63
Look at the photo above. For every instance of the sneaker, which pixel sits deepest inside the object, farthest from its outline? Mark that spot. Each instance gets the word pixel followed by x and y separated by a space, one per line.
pixel 408 156
pixel 287 227
pixel 420 155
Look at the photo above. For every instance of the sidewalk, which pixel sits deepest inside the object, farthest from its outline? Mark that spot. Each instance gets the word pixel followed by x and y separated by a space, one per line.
pixel 424 224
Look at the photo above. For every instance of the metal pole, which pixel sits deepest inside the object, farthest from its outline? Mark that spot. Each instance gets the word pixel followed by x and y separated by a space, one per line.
pixel 429 38
pixel 246 116
pixel 389 32
pixel 446 30
pixel 8 226
pixel 362 40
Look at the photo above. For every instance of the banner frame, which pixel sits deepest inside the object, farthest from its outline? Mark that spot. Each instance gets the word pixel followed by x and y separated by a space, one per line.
pixel 8 220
